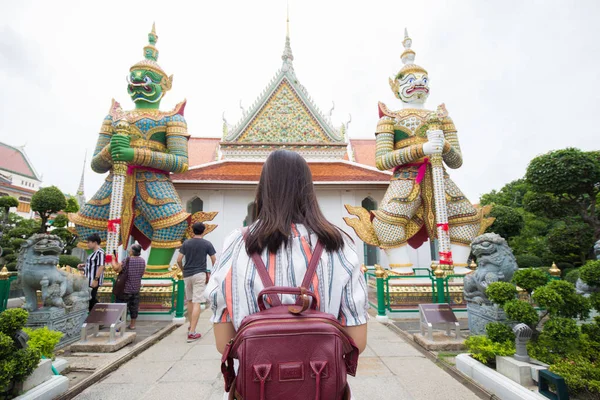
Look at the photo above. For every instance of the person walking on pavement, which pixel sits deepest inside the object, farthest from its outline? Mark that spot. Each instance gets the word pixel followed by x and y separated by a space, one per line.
pixel 133 267
pixel 195 274
pixel 93 268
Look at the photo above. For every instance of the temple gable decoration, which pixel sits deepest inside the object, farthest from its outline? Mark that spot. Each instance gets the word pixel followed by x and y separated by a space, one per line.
pixel 284 116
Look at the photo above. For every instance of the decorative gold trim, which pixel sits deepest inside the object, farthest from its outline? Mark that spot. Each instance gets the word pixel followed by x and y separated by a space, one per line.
pixel 140 143
pixel 401 265
pixel 409 142
pixel 88 222
pixel 412 69
pixel 173 244
pixel 169 221
pixel 99 202
pixel 157 267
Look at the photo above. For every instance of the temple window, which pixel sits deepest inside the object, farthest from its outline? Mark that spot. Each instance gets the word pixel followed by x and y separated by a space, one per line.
pixel 195 205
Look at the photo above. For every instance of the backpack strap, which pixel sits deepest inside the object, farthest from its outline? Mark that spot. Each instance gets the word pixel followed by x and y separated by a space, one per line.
pixel 266 279
pixel 312 265
pixel 262 272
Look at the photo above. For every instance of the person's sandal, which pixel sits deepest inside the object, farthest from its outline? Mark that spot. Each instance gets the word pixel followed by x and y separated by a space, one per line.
pixel 131 328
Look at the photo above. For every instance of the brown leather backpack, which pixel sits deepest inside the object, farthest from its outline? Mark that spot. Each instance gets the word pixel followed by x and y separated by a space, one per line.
pixel 292 352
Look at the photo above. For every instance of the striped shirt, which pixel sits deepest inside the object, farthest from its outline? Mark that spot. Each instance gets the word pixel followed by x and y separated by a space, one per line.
pixel 339 283
pixel 93 262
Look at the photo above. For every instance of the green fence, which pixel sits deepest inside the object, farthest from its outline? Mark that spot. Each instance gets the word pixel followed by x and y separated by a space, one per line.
pixel 177 296
pixel 440 292
pixel 6 279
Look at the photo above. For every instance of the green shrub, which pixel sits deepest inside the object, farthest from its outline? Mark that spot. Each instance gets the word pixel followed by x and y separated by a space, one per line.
pixel 501 292
pixel 44 340
pixel 530 279
pixel 12 320
pixel 521 311
pixel 592 330
pixel 15 365
pixel 575 305
pixel 572 275
pixel 595 301
pixel 69 260
pixel 590 273
pixel 6 346
pixel 26 360
pixel 528 261
pixel 548 298
pixel 7 367
pixel 563 266
pixel 561 329
pixel 498 332
pixel 484 350
pixel 581 375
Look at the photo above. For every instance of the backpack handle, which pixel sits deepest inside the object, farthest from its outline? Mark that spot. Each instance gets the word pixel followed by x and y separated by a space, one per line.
pixel 298 291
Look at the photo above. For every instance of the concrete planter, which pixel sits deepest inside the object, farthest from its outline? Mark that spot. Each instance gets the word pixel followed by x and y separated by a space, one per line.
pixel 494 382
pixel 42 384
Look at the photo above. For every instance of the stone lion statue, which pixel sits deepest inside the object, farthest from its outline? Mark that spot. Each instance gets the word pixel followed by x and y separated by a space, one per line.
pixel 496 263
pixel 37 268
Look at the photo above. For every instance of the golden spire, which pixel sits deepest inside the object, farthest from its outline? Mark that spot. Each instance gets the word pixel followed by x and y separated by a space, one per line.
pixel 408 57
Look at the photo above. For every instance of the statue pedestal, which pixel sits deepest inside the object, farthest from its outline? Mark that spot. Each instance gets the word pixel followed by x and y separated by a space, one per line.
pixel 67 320
pixel 481 315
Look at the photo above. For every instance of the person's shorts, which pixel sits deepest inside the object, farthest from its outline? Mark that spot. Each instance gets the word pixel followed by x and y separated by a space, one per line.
pixel 194 287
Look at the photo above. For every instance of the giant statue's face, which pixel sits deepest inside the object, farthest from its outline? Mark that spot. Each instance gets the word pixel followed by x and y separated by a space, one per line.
pixel 412 87
pixel 145 86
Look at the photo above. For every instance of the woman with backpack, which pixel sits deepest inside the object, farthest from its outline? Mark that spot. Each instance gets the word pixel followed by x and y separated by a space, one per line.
pixel 300 337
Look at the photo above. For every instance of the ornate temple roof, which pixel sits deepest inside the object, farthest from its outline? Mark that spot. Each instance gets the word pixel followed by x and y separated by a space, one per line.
pixel 14 159
pixel 284 115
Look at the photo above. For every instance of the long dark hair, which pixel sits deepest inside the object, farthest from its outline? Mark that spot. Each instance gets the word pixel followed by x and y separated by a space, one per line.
pixel 286 195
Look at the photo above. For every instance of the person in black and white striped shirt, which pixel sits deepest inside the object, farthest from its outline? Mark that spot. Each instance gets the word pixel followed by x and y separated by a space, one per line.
pixel 93 268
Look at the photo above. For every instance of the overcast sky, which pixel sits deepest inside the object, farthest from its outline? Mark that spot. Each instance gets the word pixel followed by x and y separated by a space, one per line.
pixel 519 78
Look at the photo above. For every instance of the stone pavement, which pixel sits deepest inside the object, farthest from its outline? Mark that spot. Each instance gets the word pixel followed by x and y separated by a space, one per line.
pixel 389 368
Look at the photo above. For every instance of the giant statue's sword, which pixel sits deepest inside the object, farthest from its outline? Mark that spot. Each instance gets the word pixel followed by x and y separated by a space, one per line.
pixel 439 193
pixel 113 228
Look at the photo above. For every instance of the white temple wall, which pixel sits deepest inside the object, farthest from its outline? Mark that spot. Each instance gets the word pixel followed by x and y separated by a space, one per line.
pixel 232 205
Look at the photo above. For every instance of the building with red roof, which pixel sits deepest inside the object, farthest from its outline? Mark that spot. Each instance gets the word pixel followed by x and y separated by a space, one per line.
pixel 224 171
pixel 18 177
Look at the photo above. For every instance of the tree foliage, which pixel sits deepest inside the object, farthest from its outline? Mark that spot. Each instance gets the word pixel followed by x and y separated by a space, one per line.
pixel 46 202
pixel 72 205
pixel 571 241
pixel 558 202
pixel 590 273
pixel 6 203
pixel 508 223
pixel 570 177
pixel 530 279
pixel 501 292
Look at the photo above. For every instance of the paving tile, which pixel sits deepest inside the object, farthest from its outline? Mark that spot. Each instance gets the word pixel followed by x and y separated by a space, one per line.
pixel 425 380
pixel 166 352
pixel 380 387
pixel 140 371
pixel 110 391
pixel 180 390
pixel 372 366
pixel 198 370
pixel 394 349
pixel 202 352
